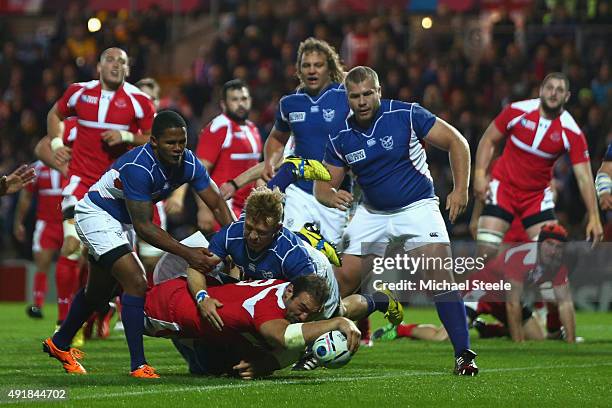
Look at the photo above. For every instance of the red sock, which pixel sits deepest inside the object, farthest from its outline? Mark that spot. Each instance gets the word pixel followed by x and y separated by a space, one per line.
pixel 364 327
pixel 553 322
pixel 66 283
pixel 405 330
pixel 494 330
pixel 40 288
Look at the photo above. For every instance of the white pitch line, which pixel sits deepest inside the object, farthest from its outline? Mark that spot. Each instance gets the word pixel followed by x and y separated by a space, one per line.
pixel 251 384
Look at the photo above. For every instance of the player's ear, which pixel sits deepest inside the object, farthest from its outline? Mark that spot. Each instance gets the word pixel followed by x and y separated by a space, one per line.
pixel 153 141
pixel 569 94
pixel 289 291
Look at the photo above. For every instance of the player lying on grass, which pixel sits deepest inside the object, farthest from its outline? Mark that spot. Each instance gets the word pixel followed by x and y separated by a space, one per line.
pixel 271 313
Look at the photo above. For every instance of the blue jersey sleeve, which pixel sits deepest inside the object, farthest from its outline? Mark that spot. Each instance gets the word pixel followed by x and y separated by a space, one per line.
pixel 332 155
pixel 608 156
pixel 421 120
pixel 218 243
pixel 297 263
pixel 281 123
pixel 137 182
pixel 200 180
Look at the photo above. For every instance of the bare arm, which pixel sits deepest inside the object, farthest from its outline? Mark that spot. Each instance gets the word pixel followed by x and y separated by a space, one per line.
pixel 273 151
pixel 23 204
pixel 207 307
pixel 141 213
pixel 55 130
pixel 212 198
pixel 567 313
pixel 584 178
pixel 115 137
pixel 489 143
pixel 43 152
pixel 514 312
pixel 327 193
pixel 604 188
pixel 445 137
pixel 274 331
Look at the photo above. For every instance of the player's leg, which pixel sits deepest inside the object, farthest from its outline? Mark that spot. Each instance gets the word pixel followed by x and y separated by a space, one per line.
pixel 42 259
pixel 495 220
pixel 537 210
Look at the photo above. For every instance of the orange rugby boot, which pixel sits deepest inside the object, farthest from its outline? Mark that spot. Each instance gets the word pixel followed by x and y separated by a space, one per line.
pixel 67 358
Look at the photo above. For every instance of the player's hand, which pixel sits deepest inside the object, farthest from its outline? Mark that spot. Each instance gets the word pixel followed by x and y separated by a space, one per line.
pixel 268 172
pixel 19 231
pixel 456 203
pixel 202 260
pixel 227 190
pixel 605 202
pixel 245 369
pixel 208 310
pixel 342 200
pixel 62 156
pixel 352 333
pixel 17 180
pixel 594 231
pixel 174 205
pixel 112 137
pixel 481 186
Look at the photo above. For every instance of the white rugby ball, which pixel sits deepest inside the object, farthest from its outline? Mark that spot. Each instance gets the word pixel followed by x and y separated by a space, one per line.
pixel 331 349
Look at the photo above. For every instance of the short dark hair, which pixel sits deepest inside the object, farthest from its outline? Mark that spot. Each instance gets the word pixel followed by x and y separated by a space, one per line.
pixel 312 284
pixel 557 75
pixel 231 85
pixel 359 74
pixel 166 119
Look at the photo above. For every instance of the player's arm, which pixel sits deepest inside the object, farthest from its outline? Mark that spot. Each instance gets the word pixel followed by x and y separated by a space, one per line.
pixel 584 178
pixel 327 193
pixel 273 151
pixel 23 204
pixel 55 130
pixel 212 198
pixel 43 152
pixel 514 311
pixel 489 143
pixel 279 333
pixel 141 213
pixel 207 306
pixel 114 137
pixel 567 312
pixel 17 180
pixel 445 137
pixel 603 185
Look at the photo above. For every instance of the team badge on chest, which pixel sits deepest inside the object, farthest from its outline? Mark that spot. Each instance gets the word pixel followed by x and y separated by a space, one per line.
pixel 387 142
pixel 328 114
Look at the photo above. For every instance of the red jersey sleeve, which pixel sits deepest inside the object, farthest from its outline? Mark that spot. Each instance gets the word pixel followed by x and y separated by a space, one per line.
pixel 267 309
pixel 504 117
pixel 210 143
pixel 578 150
pixel 146 122
pixel 64 105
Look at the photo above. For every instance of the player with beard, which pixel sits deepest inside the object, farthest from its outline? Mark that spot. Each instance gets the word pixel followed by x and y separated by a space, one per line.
pixel 229 145
pixel 538 131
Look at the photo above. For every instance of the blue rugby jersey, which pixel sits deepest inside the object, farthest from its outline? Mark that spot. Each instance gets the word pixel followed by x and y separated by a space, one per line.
pixel 387 159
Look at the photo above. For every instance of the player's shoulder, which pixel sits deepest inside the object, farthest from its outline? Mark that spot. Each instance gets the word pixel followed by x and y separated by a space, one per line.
pixel 569 123
pixel 525 106
pixel 221 121
pixel 288 242
pixel 133 90
pixel 392 105
pixel 139 157
pixel 84 85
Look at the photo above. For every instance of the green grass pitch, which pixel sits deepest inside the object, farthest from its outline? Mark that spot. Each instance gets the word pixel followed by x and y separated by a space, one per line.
pixel 402 373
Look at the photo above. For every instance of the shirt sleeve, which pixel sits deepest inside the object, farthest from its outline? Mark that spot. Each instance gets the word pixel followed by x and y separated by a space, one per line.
pixel 267 309
pixel 218 242
pixel 136 183
pixel 210 143
pixel 146 122
pixel 333 156
pixel 63 103
pixel 297 263
pixel 505 116
pixel 421 120
pixel 281 123
pixel 578 150
pixel 200 180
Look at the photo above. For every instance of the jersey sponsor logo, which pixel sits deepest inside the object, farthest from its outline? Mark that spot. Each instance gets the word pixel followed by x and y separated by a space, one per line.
pixel 314 109
pixel 371 142
pixel 267 274
pixel 121 103
pixel 328 114
pixel 252 267
pixel 297 117
pixel 354 157
pixel 89 99
pixel 433 234
pixel 387 142
pixel 531 125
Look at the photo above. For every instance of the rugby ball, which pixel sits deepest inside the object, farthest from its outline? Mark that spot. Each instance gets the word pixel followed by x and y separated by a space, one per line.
pixel 331 349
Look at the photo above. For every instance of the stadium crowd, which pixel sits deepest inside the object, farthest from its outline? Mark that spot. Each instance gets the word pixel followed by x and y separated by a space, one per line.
pixel 462 78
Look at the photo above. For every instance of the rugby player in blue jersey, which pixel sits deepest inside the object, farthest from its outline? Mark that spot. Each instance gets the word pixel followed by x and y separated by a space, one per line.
pixel 603 181
pixel 381 145
pixel 116 208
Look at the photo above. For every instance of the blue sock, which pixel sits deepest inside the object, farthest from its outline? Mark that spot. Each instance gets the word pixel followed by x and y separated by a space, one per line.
pixel 132 315
pixel 452 315
pixel 376 301
pixel 79 312
pixel 283 178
